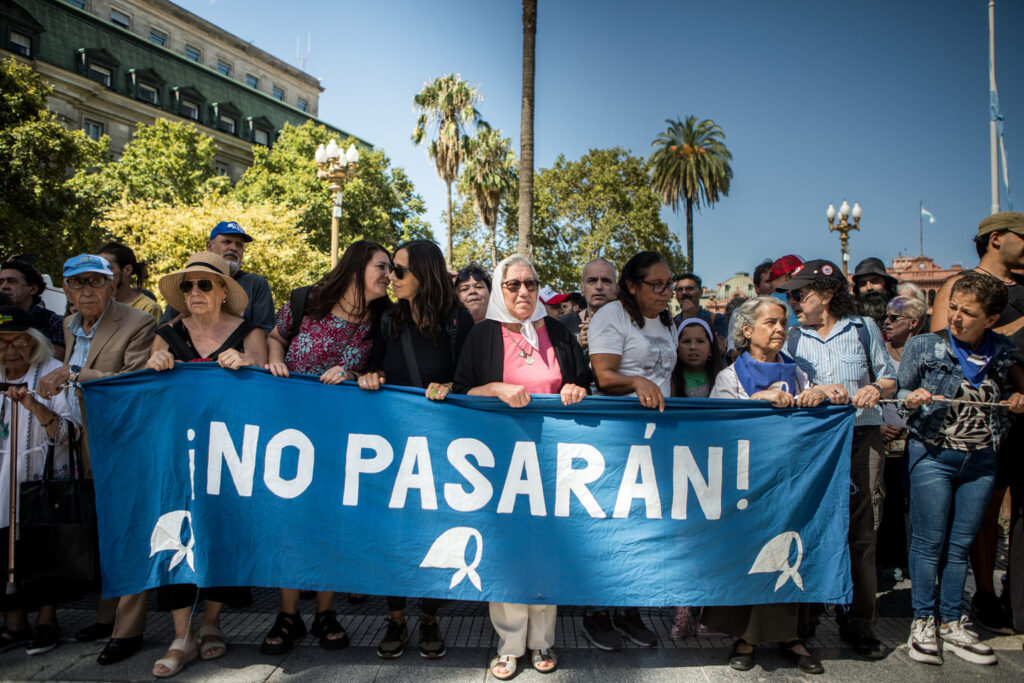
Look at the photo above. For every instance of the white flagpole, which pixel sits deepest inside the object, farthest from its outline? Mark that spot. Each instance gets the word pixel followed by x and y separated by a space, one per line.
pixel 920 219
pixel 993 135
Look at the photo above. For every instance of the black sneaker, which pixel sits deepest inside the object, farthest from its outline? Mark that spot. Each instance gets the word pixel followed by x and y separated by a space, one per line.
pixel 989 614
pixel 393 644
pixel 598 629
pixel 628 623
pixel 10 639
pixel 431 642
pixel 46 637
pixel 863 640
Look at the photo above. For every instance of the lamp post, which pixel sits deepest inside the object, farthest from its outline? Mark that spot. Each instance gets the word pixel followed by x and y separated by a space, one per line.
pixel 844 227
pixel 339 167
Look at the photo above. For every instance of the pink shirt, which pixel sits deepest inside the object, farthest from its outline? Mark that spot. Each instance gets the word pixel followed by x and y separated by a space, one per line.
pixel 544 376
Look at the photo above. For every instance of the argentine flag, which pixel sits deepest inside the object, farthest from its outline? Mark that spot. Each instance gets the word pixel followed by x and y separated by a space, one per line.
pixel 927 214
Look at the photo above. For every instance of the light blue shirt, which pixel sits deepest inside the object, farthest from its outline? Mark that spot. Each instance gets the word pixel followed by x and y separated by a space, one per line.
pixel 839 359
pixel 79 353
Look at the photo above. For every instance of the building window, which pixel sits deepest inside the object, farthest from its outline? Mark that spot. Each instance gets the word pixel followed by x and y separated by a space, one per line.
pixel 302 104
pixel 227 124
pixel 93 129
pixel 147 93
pixel 252 81
pixel 101 74
pixel 221 168
pixel 278 93
pixel 157 36
pixel 19 43
pixel 261 137
pixel 193 53
pixel 119 18
pixel 224 67
pixel 190 110
pixel 80 4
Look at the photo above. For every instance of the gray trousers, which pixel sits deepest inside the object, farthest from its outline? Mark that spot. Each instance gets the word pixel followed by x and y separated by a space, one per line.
pixel 867 469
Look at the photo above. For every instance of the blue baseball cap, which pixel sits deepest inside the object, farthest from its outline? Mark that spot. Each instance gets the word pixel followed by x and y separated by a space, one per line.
pixel 87 263
pixel 229 228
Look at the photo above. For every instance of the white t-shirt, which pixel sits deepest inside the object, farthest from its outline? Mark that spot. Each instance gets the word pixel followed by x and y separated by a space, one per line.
pixel 649 352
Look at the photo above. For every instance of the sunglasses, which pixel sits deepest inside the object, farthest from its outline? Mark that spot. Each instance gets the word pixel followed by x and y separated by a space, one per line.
pixel 94 281
pixel 400 271
pixel 186 285
pixel 892 317
pixel 514 285
pixel 796 295
pixel 476 274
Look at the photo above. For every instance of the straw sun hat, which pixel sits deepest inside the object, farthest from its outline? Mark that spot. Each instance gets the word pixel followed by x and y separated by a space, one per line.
pixel 204 262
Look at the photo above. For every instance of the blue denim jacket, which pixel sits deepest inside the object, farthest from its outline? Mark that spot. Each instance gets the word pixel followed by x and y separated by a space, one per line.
pixel 929 362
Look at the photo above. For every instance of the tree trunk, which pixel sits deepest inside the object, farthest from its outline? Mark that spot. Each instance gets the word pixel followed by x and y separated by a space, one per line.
pixel 450 263
pixel 526 128
pixel 494 249
pixel 689 234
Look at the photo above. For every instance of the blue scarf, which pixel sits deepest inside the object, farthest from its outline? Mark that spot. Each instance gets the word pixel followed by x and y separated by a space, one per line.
pixel 974 363
pixel 756 376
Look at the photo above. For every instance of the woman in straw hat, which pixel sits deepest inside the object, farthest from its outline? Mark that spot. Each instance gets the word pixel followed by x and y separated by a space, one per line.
pixel 210 328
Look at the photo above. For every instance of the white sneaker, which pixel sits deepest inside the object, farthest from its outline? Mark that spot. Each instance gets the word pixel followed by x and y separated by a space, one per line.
pixel 923 646
pixel 964 643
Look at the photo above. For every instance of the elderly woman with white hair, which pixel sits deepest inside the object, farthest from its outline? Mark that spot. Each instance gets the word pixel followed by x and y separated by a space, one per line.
pixel 43 423
pixel 513 353
pixel 763 373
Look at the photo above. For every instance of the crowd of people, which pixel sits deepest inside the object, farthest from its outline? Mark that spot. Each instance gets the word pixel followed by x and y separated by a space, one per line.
pixel 934 435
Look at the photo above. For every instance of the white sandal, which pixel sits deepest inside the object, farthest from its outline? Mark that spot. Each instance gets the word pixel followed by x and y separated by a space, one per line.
pixel 211 631
pixel 174 665
pixel 543 656
pixel 507 662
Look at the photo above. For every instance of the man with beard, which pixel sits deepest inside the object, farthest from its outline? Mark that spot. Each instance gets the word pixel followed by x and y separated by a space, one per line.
pixel 473 287
pixel 598 288
pixel 1000 246
pixel 228 239
pixel 873 289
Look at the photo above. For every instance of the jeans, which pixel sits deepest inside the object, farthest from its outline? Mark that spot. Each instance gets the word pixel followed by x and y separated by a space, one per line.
pixel 949 492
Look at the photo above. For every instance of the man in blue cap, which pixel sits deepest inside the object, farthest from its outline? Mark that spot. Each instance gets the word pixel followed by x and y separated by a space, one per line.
pixel 229 239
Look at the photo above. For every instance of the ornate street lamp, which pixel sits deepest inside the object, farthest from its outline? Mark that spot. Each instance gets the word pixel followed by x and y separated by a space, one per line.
pixel 338 167
pixel 844 227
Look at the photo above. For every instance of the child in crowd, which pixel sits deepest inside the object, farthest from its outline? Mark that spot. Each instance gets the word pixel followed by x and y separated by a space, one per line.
pixel 698 360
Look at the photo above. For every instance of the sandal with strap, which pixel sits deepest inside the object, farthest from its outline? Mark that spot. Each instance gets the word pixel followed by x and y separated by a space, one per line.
pixel 508 663
pixel 326 624
pixel 211 639
pixel 173 665
pixel 287 627
pixel 546 657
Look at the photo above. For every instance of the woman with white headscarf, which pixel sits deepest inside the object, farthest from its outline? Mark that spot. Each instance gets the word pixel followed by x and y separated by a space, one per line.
pixel 517 351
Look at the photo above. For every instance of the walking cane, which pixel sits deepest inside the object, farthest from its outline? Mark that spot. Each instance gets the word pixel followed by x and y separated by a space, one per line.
pixel 12 526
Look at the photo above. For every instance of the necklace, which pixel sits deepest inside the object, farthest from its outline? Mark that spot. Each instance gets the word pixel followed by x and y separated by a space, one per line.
pixel 341 304
pixel 989 272
pixel 527 356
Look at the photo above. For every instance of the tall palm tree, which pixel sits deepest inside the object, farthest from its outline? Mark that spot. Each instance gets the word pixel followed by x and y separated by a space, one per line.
pixel 448 105
pixel 690 165
pixel 526 127
pixel 489 171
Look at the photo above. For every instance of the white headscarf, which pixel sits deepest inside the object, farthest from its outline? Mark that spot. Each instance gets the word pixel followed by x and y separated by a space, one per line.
pixel 497 310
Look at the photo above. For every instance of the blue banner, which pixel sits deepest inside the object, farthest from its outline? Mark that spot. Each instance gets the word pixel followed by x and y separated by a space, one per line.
pixel 224 478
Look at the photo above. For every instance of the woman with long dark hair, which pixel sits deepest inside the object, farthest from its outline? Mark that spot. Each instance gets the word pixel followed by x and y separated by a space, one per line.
pixel 330 337
pixel 417 345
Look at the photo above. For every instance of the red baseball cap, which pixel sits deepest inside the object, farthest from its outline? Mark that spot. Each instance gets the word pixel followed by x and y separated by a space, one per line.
pixel 784 266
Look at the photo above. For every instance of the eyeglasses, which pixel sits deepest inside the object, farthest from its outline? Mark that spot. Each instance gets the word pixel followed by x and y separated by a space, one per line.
pixel 186 285
pixel 892 317
pixel 658 287
pixel 400 271
pixel 514 285
pixel 796 295
pixel 94 281
pixel 19 343
pixel 476 274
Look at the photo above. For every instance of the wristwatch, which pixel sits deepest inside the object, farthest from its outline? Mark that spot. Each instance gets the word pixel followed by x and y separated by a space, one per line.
pixel 878 386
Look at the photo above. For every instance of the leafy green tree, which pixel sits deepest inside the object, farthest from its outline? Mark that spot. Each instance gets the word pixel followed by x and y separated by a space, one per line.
pixel 41 210
pixel 526 128
pixel 488 175
pixel 690 165
pixel 380 203
pixel 166 162
pixel 448 105
pixel 601 205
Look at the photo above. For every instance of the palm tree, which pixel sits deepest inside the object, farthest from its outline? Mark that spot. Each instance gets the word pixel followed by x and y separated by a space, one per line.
pixel 447 104
pixel 489 172
pixel 690 165
pixel 526 127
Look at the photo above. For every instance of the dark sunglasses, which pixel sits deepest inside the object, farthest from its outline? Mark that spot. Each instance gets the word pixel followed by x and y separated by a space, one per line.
pixel 400 271
pixel 892 317
pixel 796 295
pixel 186 285
pixel 514 285
pixel 466 274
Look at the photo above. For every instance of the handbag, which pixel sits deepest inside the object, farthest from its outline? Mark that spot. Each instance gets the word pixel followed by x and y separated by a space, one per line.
pixel 58 534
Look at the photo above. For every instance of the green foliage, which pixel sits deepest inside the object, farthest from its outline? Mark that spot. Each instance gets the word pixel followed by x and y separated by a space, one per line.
pixel 169 162
pixel 599 206
pixel 690 165
pixel 489 173
pixel 165 235
pixel 380 203
pixel 41 211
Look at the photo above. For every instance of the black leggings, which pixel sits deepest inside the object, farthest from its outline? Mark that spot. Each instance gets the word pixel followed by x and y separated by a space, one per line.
pixel 428 606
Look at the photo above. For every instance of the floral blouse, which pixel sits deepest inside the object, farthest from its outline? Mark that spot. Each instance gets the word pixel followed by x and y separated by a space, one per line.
pixel 322 344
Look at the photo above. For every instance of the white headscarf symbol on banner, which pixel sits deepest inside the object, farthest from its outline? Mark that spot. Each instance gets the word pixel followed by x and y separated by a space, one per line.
pixel 496 309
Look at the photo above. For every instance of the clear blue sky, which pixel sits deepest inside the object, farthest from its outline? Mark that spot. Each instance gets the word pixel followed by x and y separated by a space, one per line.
pixel 880 102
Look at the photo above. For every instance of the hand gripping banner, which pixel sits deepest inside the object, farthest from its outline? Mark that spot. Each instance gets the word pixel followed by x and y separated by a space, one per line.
pixel 221 478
